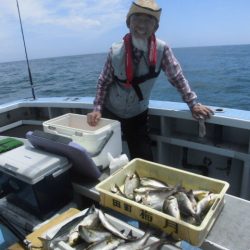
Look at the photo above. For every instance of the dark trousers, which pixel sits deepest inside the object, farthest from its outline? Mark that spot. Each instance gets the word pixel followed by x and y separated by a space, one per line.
pixel 135 131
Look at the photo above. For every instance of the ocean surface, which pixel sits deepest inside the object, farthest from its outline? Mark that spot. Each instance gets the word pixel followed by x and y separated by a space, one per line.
pixel 220 76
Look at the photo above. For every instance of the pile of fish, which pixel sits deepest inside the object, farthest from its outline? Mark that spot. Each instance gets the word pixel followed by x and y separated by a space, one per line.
pixel 188 205
pixel 93 231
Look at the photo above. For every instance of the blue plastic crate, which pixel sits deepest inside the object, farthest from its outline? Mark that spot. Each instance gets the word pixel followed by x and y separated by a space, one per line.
pixel 6 238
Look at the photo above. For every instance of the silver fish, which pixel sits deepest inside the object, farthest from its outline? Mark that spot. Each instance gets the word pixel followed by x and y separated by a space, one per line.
pixel 157 245
pixel 131 182
pixel 141 192
pixel 51 243
pixel 110 227
pixel 191 220
pixel 63 232
pixel 106 244
pixel 145 189
pixel 200 194
pixel 136 244
pixel 170 206
pixel 155 198
pixel 114 189
pixel 118 191
pixel 191 197
pixel 138 197
pixel 90 235
pixel 90 221
pixel 205 203
pixel 150 182
pixel 81 246
pixel 185 204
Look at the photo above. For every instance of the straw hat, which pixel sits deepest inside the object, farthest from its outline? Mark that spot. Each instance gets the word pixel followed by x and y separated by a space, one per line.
pixel 148 7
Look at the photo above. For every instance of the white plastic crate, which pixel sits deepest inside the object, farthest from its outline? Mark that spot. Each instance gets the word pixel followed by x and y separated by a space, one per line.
pixel 97 140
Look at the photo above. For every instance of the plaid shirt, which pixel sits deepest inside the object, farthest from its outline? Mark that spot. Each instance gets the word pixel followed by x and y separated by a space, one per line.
pixel 169 65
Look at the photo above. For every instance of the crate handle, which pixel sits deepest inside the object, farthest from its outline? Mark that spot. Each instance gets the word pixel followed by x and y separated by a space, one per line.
pixel 51 127
pixel 216 202
pixel 56 132
pixel 57 172
pixel 78 133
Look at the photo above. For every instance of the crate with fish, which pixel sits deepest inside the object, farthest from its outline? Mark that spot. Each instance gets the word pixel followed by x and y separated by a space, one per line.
pixel 98 140
pixel 180 203
pixel 93 228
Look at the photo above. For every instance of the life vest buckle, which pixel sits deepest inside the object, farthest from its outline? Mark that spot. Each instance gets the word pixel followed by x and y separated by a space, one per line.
pixel 128 85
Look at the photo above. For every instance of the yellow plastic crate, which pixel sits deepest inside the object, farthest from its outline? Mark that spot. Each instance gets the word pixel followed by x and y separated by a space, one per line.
pixel 177 228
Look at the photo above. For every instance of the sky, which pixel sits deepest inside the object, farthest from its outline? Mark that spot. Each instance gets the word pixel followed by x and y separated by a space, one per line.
pixel 76 27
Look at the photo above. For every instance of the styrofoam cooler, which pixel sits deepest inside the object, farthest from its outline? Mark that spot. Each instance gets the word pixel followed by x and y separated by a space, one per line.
pixel 98 140
pixel 40 180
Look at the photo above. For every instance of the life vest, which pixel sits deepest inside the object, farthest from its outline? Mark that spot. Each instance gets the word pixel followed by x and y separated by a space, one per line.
pixel 134 81
pixel 127 101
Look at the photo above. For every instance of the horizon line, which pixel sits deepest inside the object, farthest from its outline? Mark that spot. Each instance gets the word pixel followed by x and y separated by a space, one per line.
pixel 96 53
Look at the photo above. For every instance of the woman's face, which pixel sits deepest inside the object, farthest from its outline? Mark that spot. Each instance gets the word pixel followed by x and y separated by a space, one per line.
pixel 142 26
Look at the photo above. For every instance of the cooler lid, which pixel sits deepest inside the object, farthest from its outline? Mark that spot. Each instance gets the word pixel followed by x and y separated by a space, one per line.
pixel 31 165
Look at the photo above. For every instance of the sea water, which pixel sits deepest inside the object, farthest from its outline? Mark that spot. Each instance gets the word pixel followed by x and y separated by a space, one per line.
pixel 220 76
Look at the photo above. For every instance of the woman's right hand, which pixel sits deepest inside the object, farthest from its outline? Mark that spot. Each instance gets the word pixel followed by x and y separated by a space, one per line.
pixel 93 118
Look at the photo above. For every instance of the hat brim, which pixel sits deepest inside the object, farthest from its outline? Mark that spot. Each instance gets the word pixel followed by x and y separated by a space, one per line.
pixel 137 9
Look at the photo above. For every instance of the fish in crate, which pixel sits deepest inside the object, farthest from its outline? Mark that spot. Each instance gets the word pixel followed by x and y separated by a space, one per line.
pixel 188 205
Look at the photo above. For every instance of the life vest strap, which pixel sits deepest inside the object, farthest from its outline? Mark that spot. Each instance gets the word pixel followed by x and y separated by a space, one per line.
pixel 140 79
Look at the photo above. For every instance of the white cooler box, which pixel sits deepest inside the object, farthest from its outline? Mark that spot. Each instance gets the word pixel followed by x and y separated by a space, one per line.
pixel 98 141
pixel 40 181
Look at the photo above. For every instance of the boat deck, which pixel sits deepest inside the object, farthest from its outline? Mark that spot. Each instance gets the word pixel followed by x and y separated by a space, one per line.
pixel 230 231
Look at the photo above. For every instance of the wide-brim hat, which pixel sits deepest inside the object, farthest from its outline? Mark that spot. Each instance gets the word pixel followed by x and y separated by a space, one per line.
pixel 149 7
